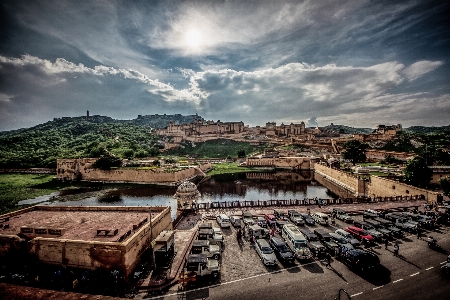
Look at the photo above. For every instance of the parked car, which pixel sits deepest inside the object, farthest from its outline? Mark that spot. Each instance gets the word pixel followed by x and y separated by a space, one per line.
pixel 223 221
pixel 325 237
pixel 295 217
pixel 370 214
pixel 342 242
pixel 271 220
pixel 203 247
pixel 350 238
pixel 360 260
pixel 370 229
pixel 386 232
pixel 218 236
pixel 265 252
pixel 342 215
pixel 280 215
pixel 320 218
pixel 308 219
pixel 282 251
pixel 359 233
pixel 247 218
pixel 200 265
pixel 389 226
pixel 261 221
pixel 316 247
pixel 236 221
pixel 296 241
pixel 258 232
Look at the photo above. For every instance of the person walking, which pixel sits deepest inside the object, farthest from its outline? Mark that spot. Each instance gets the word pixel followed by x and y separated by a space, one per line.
pixel 396 248
pixel 328 258
pixel 386 243
pixel 418 232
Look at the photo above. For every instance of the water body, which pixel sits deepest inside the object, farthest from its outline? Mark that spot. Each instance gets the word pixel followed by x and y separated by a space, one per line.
pixel 219 188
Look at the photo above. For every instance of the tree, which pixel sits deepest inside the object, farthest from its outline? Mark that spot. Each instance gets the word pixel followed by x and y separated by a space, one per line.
pixel 445 185
pixel 355 151
pixel 128 153
pixel 107 161
pixel 241 153
pixel 417 172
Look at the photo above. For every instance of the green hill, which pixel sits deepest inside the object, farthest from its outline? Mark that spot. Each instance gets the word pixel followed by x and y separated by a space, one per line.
pixel 41 145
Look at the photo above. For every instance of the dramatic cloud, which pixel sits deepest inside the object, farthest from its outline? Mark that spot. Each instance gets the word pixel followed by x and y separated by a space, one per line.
pixel 419 68
pixel 348 62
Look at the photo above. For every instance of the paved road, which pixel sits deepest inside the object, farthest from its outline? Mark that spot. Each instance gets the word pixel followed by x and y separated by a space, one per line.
pixel 415 274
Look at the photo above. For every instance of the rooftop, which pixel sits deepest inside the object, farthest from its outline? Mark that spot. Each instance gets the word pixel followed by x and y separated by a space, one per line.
pixel 105 224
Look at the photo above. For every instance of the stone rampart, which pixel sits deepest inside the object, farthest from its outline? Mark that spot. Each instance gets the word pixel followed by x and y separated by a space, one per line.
pixel 72 169
pixel 342 179
pixel 382 187
pixel 301 163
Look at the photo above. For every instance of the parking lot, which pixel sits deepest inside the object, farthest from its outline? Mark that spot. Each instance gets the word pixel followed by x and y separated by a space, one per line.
pixel 240 262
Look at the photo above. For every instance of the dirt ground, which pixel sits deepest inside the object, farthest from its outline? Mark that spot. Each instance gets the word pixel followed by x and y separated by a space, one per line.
pixel 16 292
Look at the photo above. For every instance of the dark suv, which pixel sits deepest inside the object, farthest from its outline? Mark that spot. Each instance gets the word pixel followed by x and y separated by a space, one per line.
pixel 360 260
pixel 316 247
pixel 281 250
pixel 308 219
pixel 325 237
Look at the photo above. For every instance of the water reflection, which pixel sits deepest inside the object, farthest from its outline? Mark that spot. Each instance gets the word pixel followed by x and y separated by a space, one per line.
pixel 229 187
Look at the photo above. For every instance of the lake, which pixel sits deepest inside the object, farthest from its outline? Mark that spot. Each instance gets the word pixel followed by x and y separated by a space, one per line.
pixel 218 188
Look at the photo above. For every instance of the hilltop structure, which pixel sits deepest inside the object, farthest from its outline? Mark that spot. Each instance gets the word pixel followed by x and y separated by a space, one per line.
pixel 382 132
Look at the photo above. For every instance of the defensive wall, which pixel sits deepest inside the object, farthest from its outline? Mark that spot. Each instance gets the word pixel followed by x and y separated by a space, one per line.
pixel 374 187
pixel 342 179
pixel 81 169
pixel 121 250
pixel 300 163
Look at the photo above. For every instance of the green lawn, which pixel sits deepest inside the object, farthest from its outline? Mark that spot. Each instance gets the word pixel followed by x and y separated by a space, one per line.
pixel 229 168
pixel 17 187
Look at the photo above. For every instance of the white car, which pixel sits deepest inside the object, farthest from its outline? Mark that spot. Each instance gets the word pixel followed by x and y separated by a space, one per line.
pixel 218 234
pixel 265 252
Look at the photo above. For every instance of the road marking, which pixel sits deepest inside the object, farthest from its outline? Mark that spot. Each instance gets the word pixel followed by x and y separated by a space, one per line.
pixel 354 295
pixel 376 288
pixel 414 274
pixel 429 268
pixel 443 262
pixel 397 280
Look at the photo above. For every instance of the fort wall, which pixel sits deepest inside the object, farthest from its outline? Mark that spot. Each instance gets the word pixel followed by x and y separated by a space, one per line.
pixel 301 163
pixel 382 187
pixel 342 179
pixel 373 187
pixel 81 169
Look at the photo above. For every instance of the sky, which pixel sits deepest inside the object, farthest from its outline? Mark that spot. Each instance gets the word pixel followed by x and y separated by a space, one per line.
pixel 357 63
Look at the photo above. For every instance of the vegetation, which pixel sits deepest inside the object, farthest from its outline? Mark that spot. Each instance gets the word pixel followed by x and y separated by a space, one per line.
pixel 417 172
pixel 40 146
pixel 229 168
pixel 17 187
pixel 214 149
pixel 107 161
pixel 355 151
pixel 445 185
pixel 390 160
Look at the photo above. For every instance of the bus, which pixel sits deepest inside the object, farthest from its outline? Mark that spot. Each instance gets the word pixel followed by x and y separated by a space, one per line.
pixel 296 241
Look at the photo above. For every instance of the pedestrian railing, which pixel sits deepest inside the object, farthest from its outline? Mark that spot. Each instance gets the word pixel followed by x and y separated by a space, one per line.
pixel 301 202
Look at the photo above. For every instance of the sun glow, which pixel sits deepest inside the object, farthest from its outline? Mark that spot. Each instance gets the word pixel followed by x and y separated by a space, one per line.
pixel 193 38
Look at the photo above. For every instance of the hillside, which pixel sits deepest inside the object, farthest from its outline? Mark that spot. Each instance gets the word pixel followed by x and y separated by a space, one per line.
pixel 425 129
pixel 41 145
pixel 342 129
